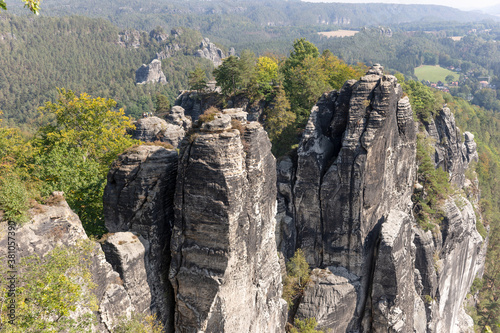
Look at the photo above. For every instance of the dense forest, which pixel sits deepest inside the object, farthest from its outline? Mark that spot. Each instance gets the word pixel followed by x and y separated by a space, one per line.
pixel 40 54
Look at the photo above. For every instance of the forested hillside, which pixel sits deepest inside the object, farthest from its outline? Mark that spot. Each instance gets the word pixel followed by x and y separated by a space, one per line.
pixel 257 22
pixel 82 54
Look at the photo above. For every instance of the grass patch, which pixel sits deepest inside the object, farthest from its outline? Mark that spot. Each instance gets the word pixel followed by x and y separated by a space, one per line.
pixel 434 73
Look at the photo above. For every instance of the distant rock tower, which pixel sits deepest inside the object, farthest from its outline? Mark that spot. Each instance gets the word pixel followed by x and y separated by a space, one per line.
pixel 150 73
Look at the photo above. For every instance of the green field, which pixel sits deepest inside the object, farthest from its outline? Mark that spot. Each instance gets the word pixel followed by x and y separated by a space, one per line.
pixel 434 73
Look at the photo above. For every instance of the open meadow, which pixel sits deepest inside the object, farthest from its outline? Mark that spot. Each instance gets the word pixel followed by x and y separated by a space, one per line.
pixel 434 73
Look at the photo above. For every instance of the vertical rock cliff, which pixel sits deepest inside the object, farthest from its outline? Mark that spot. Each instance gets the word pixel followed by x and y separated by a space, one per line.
pixel 225 269
pixel 138 202
pixel 448 260
pixel 345 199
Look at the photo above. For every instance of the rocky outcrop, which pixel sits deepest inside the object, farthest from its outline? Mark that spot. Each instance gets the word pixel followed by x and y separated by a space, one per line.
pixel 149 129
pixel 460 258
pixel 194 103
pixel 151 73
pixel 393 295
pixel 225 269
pixel 129 38
pixel 330 297
pixel 176 116
pixel 355 163
pixel 452 153
pixel 126 253
pixel 138 199
pixel 171 131
pixel 57 225
pixel 210 51
pixel 345 199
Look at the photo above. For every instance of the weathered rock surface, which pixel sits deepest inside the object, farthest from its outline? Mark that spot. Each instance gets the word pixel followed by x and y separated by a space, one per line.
pixel 191 102
pixel 151 73
pixel 127 254
pixel 58 225
pixel 210 51
pixel 330 297
pixel 392 287
pixel 129 38
pixel 449 260
pixel 460 258
pixel 138 198
pixel 171 131
pixel 225 269
pixel 236 113
pixel 345 199
pixel 177 116
pixel 355 163
pixel 452 154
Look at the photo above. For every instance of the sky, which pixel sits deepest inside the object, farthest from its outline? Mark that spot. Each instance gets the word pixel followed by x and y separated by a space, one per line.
pixel 460 4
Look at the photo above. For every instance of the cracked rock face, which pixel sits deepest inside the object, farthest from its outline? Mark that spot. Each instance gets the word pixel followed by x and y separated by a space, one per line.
pixel 210 51
pixel 355 163
pixel 345 199
pixel 330 297
pixel 138 198
pixel 225 268
pixel 151 73
pixel 452 153
pixel 171 131
pixel 126 253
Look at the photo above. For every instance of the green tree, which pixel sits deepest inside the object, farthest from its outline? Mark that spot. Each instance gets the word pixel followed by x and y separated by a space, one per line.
pixel 305 85
pixel 298 272
pixel 307 325
pixel 74 153
pixel 138 323
pixel 32 5
pixel 301 50
pixel 237 75
pixel 422 99
pixel 278 115
pixel 162 104
pixel 228 76
pixel 90 124
pixel 337 71
pixel 248 72
pixel 198 79
pixel 51 289
pixel 267 74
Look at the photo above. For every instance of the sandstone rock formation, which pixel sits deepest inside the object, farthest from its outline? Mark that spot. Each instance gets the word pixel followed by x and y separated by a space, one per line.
pixel 330 297
pixel 194 236
pixel 210 51
pixel 139 199
pixel 171 131
pixel 191 102
pixel 345 199
pixel 58 225
pixel 151 73
pixel 452 153
pixel 225 269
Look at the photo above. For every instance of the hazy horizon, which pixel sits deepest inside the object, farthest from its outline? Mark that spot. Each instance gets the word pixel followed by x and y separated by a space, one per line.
pixel 459 4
